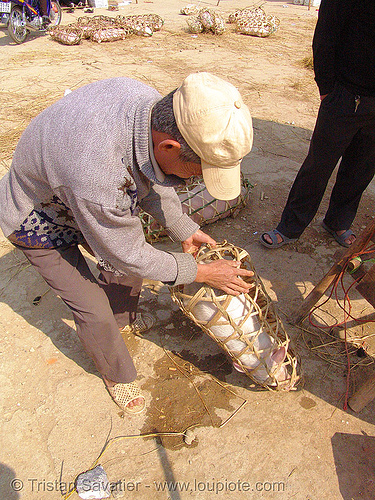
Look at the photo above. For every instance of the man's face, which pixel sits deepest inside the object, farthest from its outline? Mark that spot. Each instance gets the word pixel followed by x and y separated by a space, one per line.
pixel 182 169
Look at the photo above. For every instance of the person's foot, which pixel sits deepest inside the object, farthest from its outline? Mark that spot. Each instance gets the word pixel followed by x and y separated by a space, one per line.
pixel 350 239
pixel 275 239
pixel 123 395
pixel 142 324
pixel 46 20
pixel 344 237
pixel 267 238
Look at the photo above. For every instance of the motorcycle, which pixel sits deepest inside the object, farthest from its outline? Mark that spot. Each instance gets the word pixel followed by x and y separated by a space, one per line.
pixel 23 16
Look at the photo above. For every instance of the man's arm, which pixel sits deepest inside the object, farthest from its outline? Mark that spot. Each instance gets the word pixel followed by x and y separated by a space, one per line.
pixel 324 45
pixel 164 205
pixel 334 16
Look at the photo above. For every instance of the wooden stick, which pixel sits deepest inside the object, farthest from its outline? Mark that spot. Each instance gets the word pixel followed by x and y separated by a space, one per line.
pixel 313 297
pixel 363 396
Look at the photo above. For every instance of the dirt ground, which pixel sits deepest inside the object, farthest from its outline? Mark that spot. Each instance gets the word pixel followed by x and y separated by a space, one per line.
pixel 56 415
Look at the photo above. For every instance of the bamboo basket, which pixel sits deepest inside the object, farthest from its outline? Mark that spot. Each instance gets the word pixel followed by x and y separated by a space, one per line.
pixel 254 21
pixel 259 307
pixel 200 206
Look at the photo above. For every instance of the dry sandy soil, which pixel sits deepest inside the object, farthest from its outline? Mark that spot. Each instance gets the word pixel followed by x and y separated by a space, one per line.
pixel 56 415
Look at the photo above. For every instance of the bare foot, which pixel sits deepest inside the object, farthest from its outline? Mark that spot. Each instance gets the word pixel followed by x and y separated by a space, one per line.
pixel 135 402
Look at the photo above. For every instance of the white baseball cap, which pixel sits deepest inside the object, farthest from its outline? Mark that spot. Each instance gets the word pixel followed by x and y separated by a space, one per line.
pixel 217 125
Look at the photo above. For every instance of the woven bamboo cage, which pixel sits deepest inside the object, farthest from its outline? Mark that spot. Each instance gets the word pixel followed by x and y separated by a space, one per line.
pixel 200 206
pixel 206 20
pixel 108 34
pixel 268 335
pixel 153 21
pixel 254 21
pixel 67 35
pixel 106 28
pixel 189 9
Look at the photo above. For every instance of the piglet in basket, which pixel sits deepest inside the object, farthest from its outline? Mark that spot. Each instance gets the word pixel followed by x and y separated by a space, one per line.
pixel 260 355
pixel 246 326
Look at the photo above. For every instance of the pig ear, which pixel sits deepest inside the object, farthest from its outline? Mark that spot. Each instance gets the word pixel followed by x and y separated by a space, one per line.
pixel 279 355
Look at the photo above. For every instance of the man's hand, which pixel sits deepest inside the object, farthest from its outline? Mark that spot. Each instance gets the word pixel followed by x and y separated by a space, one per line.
pixel 193 244
pixel 224 274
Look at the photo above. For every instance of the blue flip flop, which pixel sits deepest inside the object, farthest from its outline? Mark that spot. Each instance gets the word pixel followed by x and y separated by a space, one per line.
pixel 273 235
pixel 340 238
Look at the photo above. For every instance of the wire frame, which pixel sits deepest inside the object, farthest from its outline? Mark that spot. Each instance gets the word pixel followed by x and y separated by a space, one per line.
pixel 259 306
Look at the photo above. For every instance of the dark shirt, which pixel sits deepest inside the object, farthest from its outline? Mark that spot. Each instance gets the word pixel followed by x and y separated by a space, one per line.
pixel 344 46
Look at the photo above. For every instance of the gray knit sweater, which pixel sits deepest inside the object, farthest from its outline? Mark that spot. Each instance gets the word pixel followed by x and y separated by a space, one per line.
pixel 91 150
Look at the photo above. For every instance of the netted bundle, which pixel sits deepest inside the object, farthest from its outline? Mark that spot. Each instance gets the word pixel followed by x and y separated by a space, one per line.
pixel 207 20
pixel 256 13
pixel 107 29
pixel 67 35
pixel 205 209
pixel 189 9
pixel 142 24
pixel 254 22
pixel 156 22
pixel 109 34
pixel 247 326
pixel 200 206
pixel 91 25
pixel 194 25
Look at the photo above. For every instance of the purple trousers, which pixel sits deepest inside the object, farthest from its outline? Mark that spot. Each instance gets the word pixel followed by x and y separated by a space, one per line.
pixel 100 306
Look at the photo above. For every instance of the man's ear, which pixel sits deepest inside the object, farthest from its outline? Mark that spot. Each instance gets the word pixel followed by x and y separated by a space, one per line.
pixel 169 146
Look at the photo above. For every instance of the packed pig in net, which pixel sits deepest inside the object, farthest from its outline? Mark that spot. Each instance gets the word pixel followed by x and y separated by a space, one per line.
pixel 197 202
pixel 206 21
pixel 247 326
pixel 107 29
pixel 67 35
pixel 254 21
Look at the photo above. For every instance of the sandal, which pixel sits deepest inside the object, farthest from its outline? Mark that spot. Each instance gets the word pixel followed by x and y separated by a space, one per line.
pixel 340 238
pixel 142 323
pixel 123 394
pixel 273 235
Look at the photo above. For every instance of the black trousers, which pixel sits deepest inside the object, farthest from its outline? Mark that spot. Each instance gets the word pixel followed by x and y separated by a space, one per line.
pixel 343 130
pixel 99 306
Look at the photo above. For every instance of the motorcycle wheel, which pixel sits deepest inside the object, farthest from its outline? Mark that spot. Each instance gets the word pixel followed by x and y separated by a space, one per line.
pixel 55 13
pixel 17 31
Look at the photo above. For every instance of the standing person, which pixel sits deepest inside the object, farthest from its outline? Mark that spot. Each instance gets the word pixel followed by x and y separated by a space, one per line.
pixel 79 173
pixel 45 12
pixel 344 65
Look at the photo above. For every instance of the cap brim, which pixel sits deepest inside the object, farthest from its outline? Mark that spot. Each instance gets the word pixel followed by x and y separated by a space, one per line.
pixel 222 183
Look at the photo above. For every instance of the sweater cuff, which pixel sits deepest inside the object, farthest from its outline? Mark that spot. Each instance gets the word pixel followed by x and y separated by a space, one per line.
pixel 187 268
pixel 182 229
